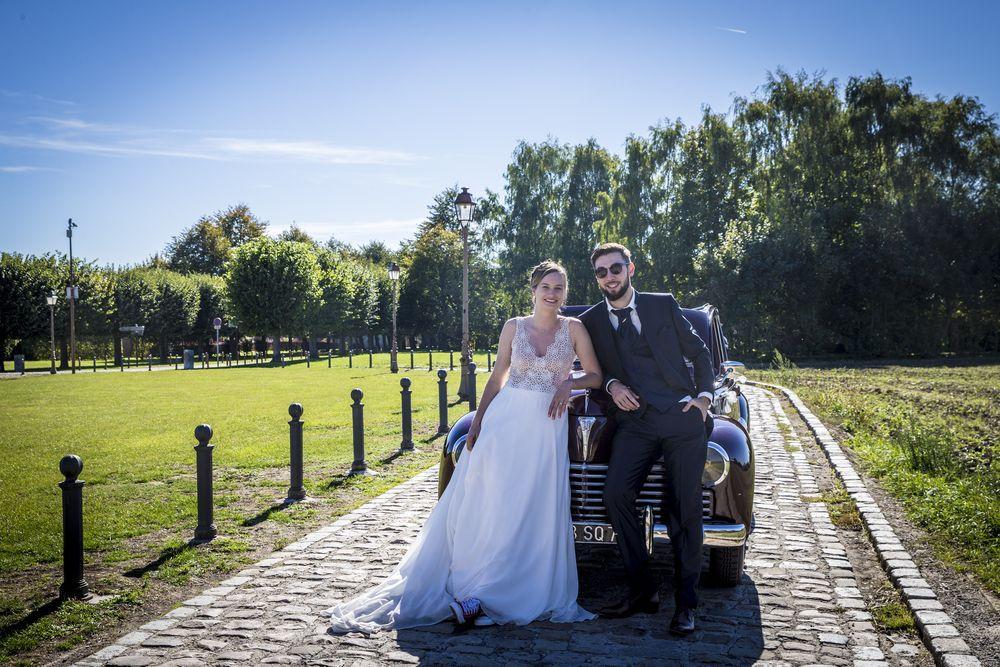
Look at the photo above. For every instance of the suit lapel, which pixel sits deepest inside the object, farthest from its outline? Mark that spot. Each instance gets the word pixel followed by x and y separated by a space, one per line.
pixel 606 343
pixel 654 328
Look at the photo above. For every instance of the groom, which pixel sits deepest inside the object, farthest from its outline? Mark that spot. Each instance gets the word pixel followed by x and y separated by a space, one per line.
pixel 641 340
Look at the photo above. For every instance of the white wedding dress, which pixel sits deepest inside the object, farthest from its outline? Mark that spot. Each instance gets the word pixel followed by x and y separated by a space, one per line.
pixel 501 532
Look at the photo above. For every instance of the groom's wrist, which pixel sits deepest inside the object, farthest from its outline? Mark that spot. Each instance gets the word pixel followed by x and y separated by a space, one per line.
pixel 607 385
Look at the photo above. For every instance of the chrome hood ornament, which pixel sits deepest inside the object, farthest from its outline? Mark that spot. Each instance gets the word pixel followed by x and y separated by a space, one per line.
pixel 584 425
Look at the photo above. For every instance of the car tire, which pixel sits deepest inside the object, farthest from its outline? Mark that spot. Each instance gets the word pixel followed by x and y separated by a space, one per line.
pixel 725 565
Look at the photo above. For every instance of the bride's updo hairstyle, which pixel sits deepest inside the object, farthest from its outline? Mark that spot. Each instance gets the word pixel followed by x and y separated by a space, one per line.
pixel 544 269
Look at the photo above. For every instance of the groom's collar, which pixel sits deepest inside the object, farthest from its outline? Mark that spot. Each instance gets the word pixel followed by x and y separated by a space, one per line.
pixel 631 303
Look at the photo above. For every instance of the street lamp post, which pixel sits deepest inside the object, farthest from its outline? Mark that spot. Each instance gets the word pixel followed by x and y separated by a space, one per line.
pixel 464 207
pixel 394 276
pixel 71 294
pixel 217 323
pixel 51 301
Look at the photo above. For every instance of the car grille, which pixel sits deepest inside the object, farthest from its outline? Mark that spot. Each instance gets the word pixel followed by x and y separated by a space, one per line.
pixel 586 485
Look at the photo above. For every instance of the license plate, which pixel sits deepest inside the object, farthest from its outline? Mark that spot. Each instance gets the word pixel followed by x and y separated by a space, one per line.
pixel 600 533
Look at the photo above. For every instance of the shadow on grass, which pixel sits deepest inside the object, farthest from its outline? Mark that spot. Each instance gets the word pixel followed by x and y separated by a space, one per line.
pixel 165 556
pixel 260 517
pixel 35 616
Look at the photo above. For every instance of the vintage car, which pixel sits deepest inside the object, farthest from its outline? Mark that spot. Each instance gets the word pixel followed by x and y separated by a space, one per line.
pixel 727 480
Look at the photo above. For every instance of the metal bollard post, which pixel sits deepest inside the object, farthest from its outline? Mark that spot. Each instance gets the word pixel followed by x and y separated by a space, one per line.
pixel 74 586
pixel 308 364
pixel 411 358
pixel 350 358
pixel 451 360
pixel 95 363
pixel 206 527
pixel 295 491
pixel 371 361
pixel 407 444
pixel 359 466
pixel 442 401
pixel 329 357
pixel 282 355
pixel 430 360
pixel 489 360
pixel 149 362
pixel 472 385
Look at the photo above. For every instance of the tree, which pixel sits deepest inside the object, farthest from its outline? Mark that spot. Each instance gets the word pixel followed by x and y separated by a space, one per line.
pixel 173 307
pixel 202 248
pixel 205 247
pixel 273 286
pixel 24 284
pixel 295 234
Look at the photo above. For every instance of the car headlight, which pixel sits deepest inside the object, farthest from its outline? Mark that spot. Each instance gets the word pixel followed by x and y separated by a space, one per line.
pixel 716 466
pixel 456 450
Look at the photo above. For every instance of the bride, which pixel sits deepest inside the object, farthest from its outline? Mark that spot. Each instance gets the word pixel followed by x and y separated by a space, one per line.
pixel 498 547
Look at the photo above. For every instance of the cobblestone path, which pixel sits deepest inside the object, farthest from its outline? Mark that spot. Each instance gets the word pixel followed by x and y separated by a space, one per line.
pixel 798 602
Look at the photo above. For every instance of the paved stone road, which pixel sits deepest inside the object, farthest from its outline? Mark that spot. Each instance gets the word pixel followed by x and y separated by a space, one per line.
pixel 798 603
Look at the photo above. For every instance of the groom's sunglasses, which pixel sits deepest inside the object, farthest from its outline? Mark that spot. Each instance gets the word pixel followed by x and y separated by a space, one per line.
pixel 616 268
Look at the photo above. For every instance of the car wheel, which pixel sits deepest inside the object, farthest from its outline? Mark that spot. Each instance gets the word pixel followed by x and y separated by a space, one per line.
pixel 725 565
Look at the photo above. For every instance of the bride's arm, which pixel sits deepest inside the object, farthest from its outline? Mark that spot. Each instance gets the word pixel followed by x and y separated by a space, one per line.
pixel 497 378
pixel 589 379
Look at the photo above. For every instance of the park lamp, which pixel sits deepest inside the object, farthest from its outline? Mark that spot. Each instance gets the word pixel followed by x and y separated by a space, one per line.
pixel 393 271
pixel 51 299
pixel 464 206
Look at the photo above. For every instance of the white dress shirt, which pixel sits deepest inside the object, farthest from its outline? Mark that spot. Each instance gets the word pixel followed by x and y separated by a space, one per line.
pixel 637 323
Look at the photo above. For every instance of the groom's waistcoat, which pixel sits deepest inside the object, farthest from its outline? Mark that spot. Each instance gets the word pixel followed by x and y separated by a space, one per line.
pixel 644 374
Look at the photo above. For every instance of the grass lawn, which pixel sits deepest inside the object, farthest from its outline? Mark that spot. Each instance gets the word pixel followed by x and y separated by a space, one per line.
pixel 134 432
pixel 929 432
pixel 421 360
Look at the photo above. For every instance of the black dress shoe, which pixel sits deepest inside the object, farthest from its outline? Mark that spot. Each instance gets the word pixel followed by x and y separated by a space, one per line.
pixel 682 623
pixel 641 603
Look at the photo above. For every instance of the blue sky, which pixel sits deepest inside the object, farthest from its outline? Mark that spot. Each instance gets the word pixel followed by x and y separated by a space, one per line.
pixel 136 118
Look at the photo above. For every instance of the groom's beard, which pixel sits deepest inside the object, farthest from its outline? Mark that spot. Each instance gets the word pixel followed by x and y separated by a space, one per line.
pixel 621 291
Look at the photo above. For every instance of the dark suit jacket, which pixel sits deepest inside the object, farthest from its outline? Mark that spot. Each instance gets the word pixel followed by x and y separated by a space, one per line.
pixel 669 334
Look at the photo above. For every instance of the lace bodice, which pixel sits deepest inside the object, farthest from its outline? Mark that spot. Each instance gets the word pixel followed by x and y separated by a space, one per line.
pixel 544 373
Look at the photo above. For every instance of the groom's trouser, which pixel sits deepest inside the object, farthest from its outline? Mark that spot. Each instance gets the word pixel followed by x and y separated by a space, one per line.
pixel 681 438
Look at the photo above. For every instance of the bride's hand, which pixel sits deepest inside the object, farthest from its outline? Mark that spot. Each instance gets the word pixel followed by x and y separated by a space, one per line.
pixel 560 401
pixel 473 435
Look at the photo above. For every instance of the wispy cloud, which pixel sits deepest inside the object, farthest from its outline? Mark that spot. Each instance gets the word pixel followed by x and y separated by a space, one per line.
pixel 103 149
pixel 738 31
pixel 23 169
pixel 311 151
pixel 75 135
pixel 32 97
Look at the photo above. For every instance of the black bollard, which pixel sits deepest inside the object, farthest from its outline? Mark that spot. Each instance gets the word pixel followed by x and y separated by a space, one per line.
pixel 442 401
pixel 472 385
pixel 371 361
pixel 430 360
pixel 74 586
pixel 308 356
pixel 206 527
pixel 295 491
pixel 149 363
pixel 95 363
pixel 359 466
pixel 411 358
pixel 329 357
pixel 407 444
pixel 451 360
pixel 489 360
pixel 350 358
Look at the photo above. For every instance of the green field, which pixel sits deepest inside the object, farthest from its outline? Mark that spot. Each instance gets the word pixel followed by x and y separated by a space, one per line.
pixel 928 432
pixel 134 432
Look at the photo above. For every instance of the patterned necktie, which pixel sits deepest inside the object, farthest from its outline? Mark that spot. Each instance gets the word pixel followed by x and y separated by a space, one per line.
pixel 625 327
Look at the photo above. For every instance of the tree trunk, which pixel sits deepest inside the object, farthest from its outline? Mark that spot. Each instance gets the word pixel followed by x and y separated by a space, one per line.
pixel 117 343
pixel 276 356
pixel 63 354
pixel 314 347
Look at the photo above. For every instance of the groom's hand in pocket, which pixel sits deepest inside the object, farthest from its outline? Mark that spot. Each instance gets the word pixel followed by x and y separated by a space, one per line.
pixel 624 398
pixel 701 403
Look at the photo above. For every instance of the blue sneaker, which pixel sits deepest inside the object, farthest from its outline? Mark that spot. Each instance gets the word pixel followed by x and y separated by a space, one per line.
pixel 466 611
